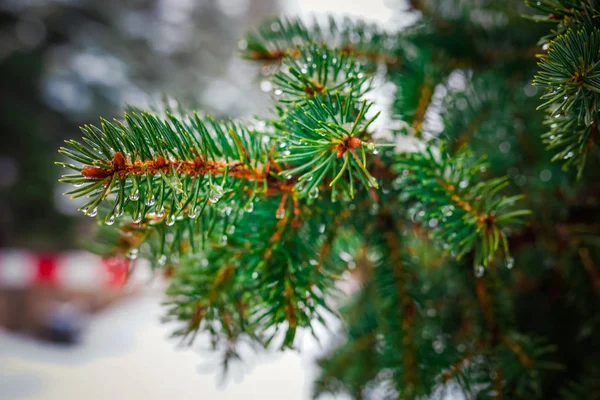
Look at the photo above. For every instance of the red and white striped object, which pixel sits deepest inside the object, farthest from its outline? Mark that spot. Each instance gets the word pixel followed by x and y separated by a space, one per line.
pixel 73 270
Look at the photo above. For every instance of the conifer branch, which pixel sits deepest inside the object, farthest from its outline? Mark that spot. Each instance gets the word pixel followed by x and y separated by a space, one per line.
pixel 315 70
pixel 570 73
pixel 408 312
pixel 164 166
pixel 277 39
pixel 461 215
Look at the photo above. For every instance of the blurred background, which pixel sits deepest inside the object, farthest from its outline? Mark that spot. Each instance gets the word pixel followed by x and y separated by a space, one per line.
pixel 69 327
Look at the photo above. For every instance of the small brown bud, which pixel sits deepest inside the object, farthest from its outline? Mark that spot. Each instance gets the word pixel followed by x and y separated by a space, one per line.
pixel 118 162
pixel 95 172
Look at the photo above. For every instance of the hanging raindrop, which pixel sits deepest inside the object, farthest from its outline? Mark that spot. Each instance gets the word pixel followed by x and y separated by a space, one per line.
pixel 510 262
pixel 150 201
pixel 92 213
pixel 162 260
pixel 314 193
pixel 479 271
pixel 170 220
pixel 134 196
pixel 133 254
pixel 215 193
pixel 160 213
pixel 249 207
pixel 110 220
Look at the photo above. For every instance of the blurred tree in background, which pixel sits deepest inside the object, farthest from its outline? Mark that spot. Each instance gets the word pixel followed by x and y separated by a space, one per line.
pixel 63 63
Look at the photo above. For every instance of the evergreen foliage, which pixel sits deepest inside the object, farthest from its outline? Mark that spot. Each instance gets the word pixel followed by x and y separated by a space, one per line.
pixel 570 73
pixel 257 222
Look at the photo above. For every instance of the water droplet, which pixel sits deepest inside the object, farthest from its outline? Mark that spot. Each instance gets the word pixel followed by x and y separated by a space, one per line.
pixel 510 262
pixel 215 193
pixel 161 212
pixel 133 254
pixel 137 219
pixel 254 275
pixel 249 207
pixel 321 228
pixel 192 212
pixel 119 212
pixel 230 229
pixel 463 184
pixel 150 201
pixel 78 185
pixel 504 147
pixel 545 175
pixel 227 210
pixel 374 209
pixel 438 346
pixel 375 151
pixel 479 271
pixel 162 260
pixel 433 222
pixel 288 177
pixel 170 220
pixel 224 239
pixel 110 220
pixel 134 196
pixel 92 213
pixel 287 153
pixel 266 86
pixel 314 193
pixel 280 214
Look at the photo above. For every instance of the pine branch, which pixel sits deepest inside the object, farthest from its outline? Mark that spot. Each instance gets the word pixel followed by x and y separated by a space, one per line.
pixel 266 279
pixel 570 73
pixel 285 37
pixel 565 14
pixel 317 69
pixel 322 142
pixel 461 214
pixel 165 166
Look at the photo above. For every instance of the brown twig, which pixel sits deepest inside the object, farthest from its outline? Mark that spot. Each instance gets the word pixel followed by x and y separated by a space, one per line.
pixel 123 168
